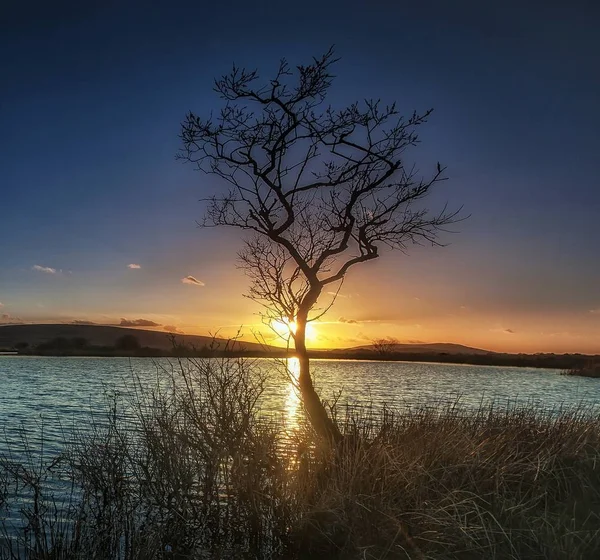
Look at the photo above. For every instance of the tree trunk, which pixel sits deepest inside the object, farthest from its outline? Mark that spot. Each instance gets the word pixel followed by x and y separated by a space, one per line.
pixel 319 419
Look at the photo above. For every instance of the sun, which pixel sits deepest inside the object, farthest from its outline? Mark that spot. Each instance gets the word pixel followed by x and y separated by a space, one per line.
pixel 286 328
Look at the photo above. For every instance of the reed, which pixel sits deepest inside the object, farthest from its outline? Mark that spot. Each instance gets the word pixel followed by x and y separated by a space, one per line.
pixel 190 469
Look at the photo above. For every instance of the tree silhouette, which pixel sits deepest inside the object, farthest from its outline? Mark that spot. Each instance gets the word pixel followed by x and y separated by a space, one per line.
pixel 319 189
pixel 385 346
pixel 127 343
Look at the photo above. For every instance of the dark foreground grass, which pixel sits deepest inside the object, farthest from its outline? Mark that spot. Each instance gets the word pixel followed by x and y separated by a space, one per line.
pixel 189 469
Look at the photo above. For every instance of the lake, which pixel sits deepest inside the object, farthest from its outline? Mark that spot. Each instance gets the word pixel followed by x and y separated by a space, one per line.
pixel 55 395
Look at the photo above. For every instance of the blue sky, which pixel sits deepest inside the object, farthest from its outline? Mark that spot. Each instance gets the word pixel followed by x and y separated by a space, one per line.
pixel 91 103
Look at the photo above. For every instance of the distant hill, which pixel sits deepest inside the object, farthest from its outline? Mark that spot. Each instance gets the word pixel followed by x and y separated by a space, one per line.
pixel 101 340
pixel 99 335
pixel 424 348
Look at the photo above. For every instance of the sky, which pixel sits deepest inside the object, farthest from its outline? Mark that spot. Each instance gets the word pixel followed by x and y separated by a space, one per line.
pixel 98 220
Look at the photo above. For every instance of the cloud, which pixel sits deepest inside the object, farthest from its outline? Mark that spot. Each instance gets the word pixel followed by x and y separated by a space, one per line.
pixel 134 266
pixel 172 329
pixel 45 269
pixel 7 318
pixel 193 281
pixel 349 321
pixel 595 311
pixel 1 304
pixel 502 330
pixel 78 322
pixel 337 294
pixel 138 323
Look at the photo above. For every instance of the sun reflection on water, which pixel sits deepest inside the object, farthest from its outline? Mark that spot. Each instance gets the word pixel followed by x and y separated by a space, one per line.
pixel 292 400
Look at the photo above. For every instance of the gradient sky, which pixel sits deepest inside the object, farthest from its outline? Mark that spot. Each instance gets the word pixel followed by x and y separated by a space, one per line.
pixel 92 95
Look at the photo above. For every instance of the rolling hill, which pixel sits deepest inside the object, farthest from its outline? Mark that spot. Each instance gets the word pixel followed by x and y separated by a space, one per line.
pixel 99 335
pixel 424 348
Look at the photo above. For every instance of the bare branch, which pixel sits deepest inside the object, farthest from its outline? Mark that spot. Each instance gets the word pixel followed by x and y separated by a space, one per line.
pixel 321 189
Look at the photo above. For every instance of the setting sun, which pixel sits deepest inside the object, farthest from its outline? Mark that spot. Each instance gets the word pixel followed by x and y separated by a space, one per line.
pixel 285 329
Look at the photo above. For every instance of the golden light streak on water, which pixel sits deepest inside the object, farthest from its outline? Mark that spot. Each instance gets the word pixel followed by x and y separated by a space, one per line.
pixel 292 400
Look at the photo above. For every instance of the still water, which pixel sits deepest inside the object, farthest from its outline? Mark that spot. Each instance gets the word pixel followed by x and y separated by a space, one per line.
pixel 53 396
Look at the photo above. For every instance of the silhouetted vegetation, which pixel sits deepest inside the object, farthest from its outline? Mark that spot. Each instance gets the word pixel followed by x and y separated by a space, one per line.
pixel 591 368
pixel 128 343
pixel 572 364
pixel 190 469
pixel 550 361
pixel 317 189
pixel 384 346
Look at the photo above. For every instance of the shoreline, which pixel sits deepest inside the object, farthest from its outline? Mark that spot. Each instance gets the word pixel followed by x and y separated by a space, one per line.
pixel 540 361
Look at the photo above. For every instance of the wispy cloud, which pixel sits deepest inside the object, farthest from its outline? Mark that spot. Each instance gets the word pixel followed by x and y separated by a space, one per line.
pixel 595 311
pixel 349 321
pixel 7 318
pixel 45 269
pixel 1 304
pixel 138 323
pixel 503 330
pixel 337 295
pixel 193 281
pixel 134 266
pixel 79 322
pixel 172 329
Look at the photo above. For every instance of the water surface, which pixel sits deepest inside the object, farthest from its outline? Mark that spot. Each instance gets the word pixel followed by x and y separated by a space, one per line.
pixel 55 395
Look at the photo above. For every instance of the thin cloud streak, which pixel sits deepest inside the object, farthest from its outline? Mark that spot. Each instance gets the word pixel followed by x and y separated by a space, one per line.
pixel 336 294
pixel 44 269
pixel 138 323
pixel 134 266
pixel 192 281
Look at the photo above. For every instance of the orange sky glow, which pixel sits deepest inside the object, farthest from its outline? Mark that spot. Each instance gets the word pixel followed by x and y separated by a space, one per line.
pixel 420 298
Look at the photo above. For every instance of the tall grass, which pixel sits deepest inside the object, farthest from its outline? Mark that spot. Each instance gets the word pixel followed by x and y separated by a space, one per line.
pixel 190 469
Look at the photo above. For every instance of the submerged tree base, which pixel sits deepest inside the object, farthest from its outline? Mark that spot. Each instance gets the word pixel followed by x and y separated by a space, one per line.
pixel 190 470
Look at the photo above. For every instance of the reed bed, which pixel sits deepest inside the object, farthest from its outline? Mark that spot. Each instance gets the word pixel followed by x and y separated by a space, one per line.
pixel 190 469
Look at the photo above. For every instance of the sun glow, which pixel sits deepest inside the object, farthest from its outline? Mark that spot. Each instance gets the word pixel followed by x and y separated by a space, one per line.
pixel 286 328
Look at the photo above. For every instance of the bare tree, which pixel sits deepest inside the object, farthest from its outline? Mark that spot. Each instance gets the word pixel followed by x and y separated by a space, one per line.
pixel 385 346
pixel 319 190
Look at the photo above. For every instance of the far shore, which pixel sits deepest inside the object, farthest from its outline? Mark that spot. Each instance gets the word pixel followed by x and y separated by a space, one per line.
pixel 544 361
pixel 113 341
